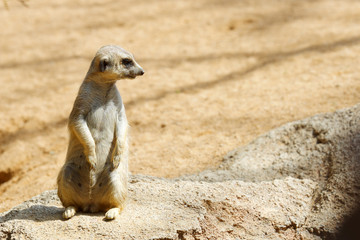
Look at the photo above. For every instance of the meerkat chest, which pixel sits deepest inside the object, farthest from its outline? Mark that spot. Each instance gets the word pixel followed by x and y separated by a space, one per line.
pixel 102 120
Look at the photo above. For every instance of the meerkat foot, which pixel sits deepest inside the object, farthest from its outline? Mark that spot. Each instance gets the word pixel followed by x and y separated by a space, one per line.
pixel 112 213
pixel 69 212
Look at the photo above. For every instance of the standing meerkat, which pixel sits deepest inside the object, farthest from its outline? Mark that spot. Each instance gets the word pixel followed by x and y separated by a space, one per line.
pixel 95 174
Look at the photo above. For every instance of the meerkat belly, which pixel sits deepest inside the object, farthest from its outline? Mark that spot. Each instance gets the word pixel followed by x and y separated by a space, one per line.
pixel 101 123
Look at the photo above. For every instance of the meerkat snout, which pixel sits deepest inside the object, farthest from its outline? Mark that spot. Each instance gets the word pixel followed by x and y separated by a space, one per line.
pixel 130 67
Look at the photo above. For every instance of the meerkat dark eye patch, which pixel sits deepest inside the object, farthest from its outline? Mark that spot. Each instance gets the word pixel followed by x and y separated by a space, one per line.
pixel 127 62
pixel 104 63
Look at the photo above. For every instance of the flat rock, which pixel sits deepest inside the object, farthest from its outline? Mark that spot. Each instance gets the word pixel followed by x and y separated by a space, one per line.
pixel 299 181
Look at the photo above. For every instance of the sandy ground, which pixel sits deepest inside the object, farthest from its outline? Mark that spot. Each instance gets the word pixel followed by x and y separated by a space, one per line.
pixel 218 74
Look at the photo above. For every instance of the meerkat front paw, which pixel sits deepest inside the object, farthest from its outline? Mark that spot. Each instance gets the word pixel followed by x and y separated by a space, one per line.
pixel 112 213
pixel 69 212
pixel 116 161
pixel 92 161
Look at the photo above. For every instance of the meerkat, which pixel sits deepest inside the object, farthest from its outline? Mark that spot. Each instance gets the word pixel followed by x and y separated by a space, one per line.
pixel 94 177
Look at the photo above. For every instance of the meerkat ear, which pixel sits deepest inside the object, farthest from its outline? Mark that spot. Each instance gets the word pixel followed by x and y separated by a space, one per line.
pixel 104 63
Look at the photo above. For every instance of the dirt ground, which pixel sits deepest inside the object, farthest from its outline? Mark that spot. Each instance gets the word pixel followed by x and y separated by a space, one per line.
pixel 218 74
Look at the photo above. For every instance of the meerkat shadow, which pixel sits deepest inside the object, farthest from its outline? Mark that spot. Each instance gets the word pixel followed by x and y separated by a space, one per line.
pixel 36 213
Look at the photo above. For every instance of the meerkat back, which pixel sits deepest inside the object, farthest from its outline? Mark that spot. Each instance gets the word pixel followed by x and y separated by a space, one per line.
pixel 95 174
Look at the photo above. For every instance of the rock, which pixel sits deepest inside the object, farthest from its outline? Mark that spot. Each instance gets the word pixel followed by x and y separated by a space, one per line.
pixel 299 181
pixel 163 209
pixel 324 149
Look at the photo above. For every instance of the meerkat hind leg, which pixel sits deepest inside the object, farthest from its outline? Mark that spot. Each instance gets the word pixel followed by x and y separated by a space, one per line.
pixel 69 212
pixel 112 213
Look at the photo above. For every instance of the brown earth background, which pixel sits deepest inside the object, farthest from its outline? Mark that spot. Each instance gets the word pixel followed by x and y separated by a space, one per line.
pixel 218 74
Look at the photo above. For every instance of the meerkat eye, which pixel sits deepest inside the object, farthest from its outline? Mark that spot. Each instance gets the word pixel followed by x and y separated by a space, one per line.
pixel 127 62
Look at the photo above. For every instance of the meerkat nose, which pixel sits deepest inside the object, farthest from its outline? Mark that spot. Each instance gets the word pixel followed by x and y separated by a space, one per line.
pixel 142 72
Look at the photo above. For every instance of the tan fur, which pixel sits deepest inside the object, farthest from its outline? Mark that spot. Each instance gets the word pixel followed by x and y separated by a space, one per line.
pixel 95 174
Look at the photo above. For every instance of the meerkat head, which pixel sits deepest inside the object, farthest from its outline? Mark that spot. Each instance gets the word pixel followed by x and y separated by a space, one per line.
pixel 112 63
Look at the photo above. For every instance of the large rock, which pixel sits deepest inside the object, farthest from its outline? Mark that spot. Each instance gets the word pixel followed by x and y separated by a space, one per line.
pixel 297 182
